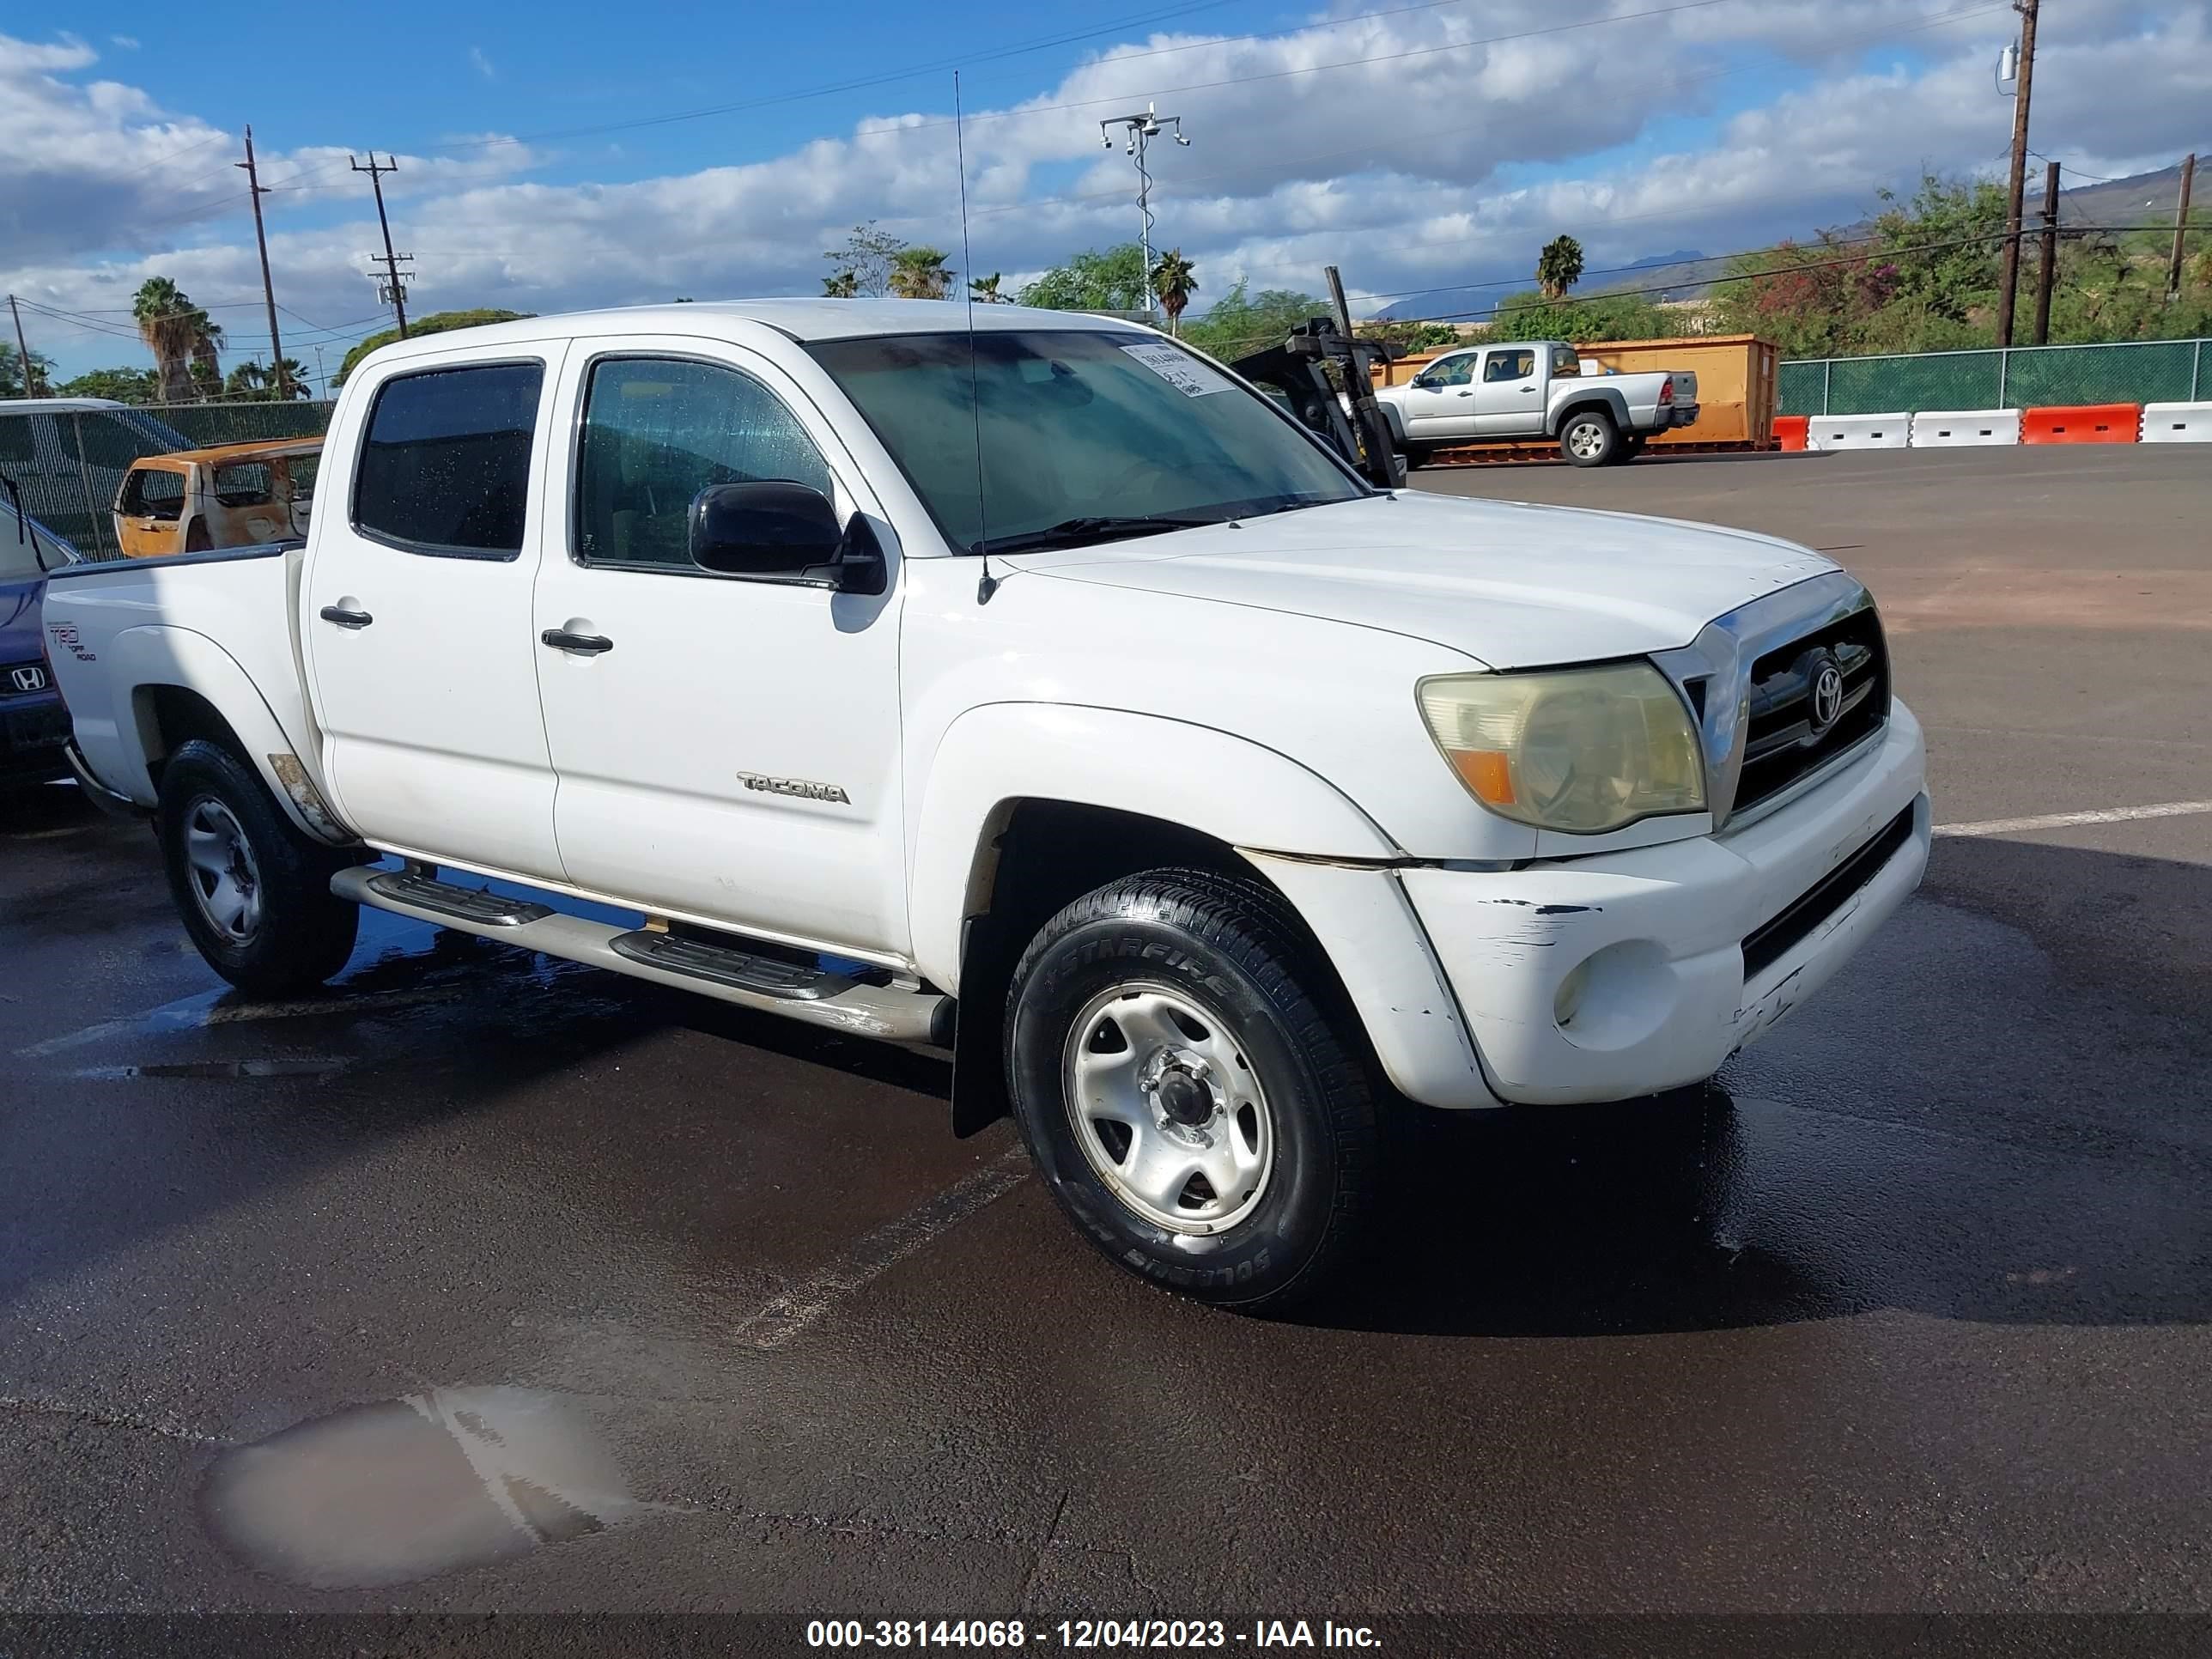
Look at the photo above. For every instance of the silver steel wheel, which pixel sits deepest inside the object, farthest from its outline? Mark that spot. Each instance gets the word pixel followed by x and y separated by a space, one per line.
pixel 224 878
pixel 1168 1109
pixel 1586 440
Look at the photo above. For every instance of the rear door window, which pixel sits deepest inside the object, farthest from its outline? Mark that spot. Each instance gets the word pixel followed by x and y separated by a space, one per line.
pixel 445 468
pixel 244 484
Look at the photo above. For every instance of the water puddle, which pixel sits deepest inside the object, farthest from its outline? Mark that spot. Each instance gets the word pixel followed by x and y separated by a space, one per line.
pixel 406 1489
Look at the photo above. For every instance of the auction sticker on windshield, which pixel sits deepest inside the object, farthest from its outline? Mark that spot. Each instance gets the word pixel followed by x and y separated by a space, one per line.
pixel 1178 367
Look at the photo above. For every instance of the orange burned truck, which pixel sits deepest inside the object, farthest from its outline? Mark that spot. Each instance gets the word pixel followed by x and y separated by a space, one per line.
pixel 196 500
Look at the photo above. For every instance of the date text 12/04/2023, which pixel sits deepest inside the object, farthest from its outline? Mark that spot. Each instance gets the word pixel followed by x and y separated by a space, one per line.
pixel 1081 1634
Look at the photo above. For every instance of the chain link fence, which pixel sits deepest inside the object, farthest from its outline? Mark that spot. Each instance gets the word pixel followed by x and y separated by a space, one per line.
pixel 2025 377
pixel 70 463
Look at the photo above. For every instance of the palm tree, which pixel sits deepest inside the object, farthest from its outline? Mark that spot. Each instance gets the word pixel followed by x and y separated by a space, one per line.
pixel 984 290
pixel 176 332
pixel 845 285
pixel 252 382
pixel 1173 284
pixel 1559 267
pixel 920 273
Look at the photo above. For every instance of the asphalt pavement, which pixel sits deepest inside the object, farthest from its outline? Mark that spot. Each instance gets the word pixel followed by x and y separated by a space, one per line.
pixel 488 1283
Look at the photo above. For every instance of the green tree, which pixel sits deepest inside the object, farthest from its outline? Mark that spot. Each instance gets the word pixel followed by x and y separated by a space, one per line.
pixel 182 339
pixel 920 273
pixel 1173 284
pixel 866 259
pixel 984 290
pixel 11 373
pixel 1558 267
pixel 1093 281
pixel 122 386
pixel 251 383
pixel 1239 324
pixel 438 322
pixel 1530 316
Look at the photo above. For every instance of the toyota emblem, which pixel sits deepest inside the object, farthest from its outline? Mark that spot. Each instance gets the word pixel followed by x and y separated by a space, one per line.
pixel 1827 697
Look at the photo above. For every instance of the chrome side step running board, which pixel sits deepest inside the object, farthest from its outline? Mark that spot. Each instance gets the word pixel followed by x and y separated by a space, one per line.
pixel 730 973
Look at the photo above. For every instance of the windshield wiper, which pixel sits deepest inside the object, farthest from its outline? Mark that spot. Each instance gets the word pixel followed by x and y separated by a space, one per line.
pixel 1102 528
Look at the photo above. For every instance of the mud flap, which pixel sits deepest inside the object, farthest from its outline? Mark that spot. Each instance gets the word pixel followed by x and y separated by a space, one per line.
pixel 979 1073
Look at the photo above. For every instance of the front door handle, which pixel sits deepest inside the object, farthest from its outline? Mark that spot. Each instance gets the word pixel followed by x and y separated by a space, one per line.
pixel 1467 394
pixel 345 616
pixel 582 645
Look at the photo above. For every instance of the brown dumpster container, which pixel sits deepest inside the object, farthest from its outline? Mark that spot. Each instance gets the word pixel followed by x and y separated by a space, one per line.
pixel 1737 383
pixel 1736 376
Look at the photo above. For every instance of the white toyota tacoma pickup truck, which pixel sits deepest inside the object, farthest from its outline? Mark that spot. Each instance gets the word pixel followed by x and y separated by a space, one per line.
pixel 1535 392
pixel 1045 695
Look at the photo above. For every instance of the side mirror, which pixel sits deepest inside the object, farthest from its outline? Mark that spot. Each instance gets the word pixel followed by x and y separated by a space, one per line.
pixel 776 530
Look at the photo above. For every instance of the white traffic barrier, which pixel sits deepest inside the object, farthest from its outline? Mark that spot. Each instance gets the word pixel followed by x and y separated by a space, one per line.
pixel 1858 431
pixel 2177 423
pixel 1947 428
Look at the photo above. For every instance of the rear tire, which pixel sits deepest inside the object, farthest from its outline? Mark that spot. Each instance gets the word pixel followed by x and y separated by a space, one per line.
pixel 1188 1101
pixel 254 893
pixel 1589 438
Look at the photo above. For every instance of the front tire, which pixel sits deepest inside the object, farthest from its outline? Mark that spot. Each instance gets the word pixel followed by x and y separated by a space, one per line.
pixel 1589 438
pixel 1191 1099
pixel 254 891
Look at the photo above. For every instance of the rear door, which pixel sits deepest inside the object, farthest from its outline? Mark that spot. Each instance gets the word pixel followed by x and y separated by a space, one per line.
pixel 415 610
pixel 1508 397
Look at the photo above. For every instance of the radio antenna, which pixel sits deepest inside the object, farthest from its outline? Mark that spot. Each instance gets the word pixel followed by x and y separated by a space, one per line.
pixel 987 584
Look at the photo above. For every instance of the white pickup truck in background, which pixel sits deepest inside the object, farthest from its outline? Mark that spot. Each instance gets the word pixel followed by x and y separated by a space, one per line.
pixel 1210 806
pixel 1535 392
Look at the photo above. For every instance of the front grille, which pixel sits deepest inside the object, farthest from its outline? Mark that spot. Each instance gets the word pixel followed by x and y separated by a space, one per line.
pixel 1767 944
pixel 1784 740
pixel 26 731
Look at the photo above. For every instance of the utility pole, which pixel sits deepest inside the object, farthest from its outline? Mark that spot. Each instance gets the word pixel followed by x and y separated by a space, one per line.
pixel 394 293
pixel 1141 128
pixel 322 380
pixel 2180 229
pixel 2049 265
pixel 22 351
pixel 267 290
pixel 2017 185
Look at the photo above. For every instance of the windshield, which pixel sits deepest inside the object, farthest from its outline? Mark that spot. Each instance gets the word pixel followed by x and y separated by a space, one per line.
pixel 1087 435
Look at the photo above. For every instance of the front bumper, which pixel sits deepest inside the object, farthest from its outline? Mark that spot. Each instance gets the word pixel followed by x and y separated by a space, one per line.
pixel 1661 933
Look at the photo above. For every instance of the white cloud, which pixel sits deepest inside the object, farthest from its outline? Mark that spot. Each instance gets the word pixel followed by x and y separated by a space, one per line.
pixel 483 65
pixel 127 42
pixel 1446 162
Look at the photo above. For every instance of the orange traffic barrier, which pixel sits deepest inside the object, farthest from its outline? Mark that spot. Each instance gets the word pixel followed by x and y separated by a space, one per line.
pixel 1792 429
pixel 2083 423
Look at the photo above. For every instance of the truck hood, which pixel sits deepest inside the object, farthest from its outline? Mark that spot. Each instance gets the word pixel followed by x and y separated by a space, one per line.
pixel 1509 584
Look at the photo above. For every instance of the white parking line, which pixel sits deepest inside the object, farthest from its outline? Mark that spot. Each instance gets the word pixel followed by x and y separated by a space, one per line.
pixel 796 1308
pixel 2172 809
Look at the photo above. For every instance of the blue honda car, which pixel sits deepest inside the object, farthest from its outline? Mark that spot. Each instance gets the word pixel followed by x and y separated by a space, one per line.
pixel 35 724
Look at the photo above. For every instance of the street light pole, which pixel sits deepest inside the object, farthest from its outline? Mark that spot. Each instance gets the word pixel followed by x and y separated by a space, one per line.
pixel 1141 128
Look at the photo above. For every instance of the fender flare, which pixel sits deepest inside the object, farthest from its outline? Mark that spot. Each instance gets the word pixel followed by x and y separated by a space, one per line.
pixel 1395 418
pixel 997 754
pixel 120 750
pixel 1608 396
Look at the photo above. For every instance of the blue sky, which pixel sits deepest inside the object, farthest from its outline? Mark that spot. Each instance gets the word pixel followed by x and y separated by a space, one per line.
pixel 1416 142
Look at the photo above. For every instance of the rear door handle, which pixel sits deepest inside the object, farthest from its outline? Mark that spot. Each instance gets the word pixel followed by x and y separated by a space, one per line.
pixel 582 645
pixel 344 618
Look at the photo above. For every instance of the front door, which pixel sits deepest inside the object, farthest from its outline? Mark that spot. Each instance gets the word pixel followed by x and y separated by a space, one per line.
pixel 415 607
pixel 727 749
pixel 1508 399
pixel 1439 400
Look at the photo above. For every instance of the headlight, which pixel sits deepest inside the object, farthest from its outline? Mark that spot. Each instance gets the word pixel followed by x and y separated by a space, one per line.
pixel 1581 750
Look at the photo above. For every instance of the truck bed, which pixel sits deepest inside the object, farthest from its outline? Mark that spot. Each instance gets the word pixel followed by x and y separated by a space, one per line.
pixel 199 621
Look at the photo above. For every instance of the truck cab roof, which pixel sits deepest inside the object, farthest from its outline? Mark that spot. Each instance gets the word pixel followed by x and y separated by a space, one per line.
pixel 804 320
